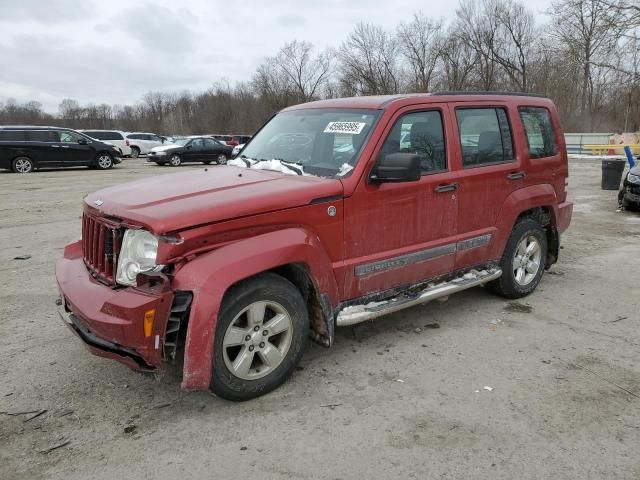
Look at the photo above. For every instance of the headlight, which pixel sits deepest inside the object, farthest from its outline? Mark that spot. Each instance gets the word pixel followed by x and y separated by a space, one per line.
pixel 160 153
pixel 138 254
pixel 633 178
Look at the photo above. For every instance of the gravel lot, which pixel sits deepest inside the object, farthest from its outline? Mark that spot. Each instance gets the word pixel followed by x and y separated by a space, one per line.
pixel 392 399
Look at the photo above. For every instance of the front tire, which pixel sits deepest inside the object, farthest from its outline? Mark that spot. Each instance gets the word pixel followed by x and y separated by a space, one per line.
pixel 135 152
pixel 104 161
pixel 22 165
pixel 175 160
pixel 523 260
pixel 261 335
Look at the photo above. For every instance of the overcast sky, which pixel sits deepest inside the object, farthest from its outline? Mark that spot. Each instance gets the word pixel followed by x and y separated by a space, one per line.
pixel 113 51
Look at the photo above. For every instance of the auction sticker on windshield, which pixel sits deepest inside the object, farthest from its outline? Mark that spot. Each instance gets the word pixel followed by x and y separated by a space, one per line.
pixel 345 127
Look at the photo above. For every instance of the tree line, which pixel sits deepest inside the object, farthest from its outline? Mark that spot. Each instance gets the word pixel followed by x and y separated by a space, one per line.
pixel 585 57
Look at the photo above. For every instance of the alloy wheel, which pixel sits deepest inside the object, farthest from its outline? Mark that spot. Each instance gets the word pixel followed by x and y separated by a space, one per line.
pixel 174 160
pixel 222 159
pixel 23 165
pixel 257 340
pixel 104 161
pixel 527 260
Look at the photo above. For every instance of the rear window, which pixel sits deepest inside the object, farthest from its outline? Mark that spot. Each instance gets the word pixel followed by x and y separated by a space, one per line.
pixel 134 136
pixel 539 129
pixel 42 136
pixel 104 135
pixel 485 136
pixel 12 135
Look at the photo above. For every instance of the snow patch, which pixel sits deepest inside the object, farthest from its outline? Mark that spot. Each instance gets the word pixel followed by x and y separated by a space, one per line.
pixel 344 169
pixel 273 165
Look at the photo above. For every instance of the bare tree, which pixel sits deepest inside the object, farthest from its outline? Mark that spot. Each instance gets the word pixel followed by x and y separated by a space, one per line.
pixel 478 30
pixel 589 31
pixel 458 62
pixel 368 62
pixel 421 43
pixel 307 73
pixel 514 39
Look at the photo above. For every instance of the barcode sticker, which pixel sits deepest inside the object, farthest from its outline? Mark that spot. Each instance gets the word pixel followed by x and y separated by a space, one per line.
pixel 345 127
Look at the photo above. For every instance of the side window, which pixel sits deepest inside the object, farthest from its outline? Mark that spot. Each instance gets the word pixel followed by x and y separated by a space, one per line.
pixel 210 143
pixel 539 129
pixel 485 136
pixel 133 136
pixel 197 143
pixel 12 136
pixel 69 137
pixel 42 136
pixel 421 133
pixel 154 138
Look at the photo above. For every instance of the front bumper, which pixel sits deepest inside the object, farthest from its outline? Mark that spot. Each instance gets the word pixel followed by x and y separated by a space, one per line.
pixel 631 192
pixel 110 321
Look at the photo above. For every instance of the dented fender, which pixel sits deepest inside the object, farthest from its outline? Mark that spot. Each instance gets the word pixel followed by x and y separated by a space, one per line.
pixel 211 274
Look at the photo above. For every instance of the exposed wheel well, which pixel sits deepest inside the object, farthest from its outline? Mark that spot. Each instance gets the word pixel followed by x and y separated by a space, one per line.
pixel 319 308
pixel 544 216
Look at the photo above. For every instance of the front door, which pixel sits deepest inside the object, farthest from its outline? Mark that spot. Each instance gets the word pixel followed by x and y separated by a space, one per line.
pixel 490 171
pixel 75 149
pixel 398 234
pixel 194 151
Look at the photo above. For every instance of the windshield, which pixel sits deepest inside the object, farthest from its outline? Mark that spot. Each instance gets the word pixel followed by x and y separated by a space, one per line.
pixel 182 141
pixel 322 142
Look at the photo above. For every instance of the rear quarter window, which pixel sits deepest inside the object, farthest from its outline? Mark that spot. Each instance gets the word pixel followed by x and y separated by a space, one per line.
pixel 538 128
pixel 104 135
pixel 12 136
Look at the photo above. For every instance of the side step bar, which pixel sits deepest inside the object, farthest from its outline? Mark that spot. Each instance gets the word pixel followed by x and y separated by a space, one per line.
pixel 361 313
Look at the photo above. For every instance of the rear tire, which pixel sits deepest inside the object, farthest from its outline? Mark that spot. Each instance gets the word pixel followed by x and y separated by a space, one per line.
pixel 261 334
pixel 523 260
pixel 22 165
pixel 222 159
pixel 135 152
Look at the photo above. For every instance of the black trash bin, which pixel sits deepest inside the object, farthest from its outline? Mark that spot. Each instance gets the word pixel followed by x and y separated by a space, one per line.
pixel 612 174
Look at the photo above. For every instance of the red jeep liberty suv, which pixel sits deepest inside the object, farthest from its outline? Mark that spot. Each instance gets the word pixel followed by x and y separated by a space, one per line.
pixel 336 212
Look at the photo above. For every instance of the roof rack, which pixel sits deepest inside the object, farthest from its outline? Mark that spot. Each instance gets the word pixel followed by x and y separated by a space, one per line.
pixel 512 94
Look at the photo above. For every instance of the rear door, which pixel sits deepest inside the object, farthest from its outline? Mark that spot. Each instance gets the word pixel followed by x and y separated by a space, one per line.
pixel 211 150
pixel 401 233
pixel 45 148
pixel 490 170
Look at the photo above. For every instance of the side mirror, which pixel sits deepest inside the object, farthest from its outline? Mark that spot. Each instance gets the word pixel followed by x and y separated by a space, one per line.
pixel 163 139
pixel 189 146
pixel 396 167
pixel 82 141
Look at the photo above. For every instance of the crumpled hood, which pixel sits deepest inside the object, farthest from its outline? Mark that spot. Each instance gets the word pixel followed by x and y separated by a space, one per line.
pixel 170 203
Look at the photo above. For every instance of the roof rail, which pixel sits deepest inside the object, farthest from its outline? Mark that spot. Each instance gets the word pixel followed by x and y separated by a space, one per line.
pixel 513 94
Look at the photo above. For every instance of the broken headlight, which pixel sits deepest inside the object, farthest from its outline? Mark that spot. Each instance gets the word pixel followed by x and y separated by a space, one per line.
pixel 137 255
pixel 631 178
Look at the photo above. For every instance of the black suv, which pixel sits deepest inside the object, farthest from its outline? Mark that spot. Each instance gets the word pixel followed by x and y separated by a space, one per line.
pixel 23 149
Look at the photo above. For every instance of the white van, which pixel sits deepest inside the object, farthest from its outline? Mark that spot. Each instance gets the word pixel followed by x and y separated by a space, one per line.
pixel 115 137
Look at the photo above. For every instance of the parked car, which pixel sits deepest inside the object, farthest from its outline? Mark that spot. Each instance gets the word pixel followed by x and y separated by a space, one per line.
pixel 225 139
pixel 232 269
pixel 142 143
pixel 191 149
pixel 27 148
pixel 236 150
pixel 630 194
pixel 114 137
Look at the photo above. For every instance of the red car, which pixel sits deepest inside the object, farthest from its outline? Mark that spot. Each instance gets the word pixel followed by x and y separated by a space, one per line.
pixel 337 212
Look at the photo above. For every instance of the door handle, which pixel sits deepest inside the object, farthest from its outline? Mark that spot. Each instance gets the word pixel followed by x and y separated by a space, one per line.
pixel 516 175
pixel 446 187
pixel 65 146
pixel 55 146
